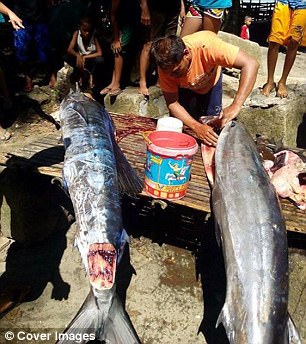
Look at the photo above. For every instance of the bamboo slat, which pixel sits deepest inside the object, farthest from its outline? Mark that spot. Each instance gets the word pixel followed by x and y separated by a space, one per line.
pixel 46 157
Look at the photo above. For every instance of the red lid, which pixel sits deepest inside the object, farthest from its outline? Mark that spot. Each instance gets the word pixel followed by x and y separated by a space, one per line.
pixel 172 143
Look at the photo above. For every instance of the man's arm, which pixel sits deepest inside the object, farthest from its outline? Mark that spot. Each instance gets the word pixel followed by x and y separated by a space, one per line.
pixel 204 132
pixel 249 68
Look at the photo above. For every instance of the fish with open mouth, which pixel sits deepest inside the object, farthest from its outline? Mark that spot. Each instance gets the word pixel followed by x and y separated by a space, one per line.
pixel 95 173
pixel 254 243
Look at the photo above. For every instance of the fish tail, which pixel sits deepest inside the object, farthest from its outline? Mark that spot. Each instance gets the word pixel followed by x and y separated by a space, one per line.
pixel 85 322
pixel 118 326
pixel 128 180
pixel 102 319
pixel 224 318
pixel 293 335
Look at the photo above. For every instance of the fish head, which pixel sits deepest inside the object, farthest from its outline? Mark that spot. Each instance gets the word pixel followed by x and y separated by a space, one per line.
pixel 80 103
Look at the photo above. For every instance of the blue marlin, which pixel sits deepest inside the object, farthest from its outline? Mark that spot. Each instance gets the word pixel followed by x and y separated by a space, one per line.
pixel 254 243
pixel 96 172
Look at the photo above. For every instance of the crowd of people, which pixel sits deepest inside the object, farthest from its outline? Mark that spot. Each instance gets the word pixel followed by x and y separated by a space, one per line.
pixel 102 40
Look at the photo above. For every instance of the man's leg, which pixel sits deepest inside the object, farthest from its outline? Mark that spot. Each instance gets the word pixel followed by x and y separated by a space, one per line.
pixel 143 67
pixel 292 48
pixel 296 33
pixel 271 64
pixel 193 22
pixel 279 31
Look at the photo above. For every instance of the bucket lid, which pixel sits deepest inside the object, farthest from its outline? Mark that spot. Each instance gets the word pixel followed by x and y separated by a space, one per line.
pixel 171 143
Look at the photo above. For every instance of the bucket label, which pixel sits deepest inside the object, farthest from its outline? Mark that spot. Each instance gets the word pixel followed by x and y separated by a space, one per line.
pixel 167 177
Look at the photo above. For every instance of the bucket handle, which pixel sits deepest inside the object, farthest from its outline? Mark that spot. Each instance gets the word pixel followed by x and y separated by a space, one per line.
pixel 145 135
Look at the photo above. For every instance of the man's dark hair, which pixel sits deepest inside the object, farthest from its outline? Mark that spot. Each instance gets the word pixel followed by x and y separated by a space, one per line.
pixel 168 51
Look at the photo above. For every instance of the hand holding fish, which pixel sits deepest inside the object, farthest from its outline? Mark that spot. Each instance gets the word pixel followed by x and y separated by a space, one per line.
pixel 206 134
pixel 229 113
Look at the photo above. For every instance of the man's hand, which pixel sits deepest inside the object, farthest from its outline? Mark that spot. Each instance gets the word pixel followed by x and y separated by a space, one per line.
pixel 80 61
pixel 229 113
pixel 206 134
pixel 116 47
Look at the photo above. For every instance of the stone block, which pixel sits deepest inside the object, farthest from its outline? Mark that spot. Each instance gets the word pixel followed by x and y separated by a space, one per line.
pixel 277 119
pixel 131 102
pixel 5 219
pixel 252 48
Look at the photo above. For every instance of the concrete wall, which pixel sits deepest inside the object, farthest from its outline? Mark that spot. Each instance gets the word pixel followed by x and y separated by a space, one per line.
pixel 278 119
pixel 131 102
pixel 249 47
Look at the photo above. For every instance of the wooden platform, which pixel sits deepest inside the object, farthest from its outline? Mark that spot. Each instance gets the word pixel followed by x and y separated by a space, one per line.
pixel 46 156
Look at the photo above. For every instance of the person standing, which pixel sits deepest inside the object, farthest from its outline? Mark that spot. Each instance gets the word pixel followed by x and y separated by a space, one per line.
pixel 245 32
pixel 204 15
pixel 288 28
pixel 34 18
pixel 4 93
pixel 123 13
pixel 158 18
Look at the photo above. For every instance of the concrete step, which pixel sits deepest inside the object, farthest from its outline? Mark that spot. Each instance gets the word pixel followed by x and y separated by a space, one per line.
pixel 129 101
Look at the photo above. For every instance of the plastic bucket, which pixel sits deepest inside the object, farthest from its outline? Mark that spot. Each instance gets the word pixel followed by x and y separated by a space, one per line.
pixel 169 124
pixel 168 163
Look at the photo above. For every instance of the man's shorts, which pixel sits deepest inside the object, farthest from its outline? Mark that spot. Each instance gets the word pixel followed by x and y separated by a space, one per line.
pixel 24 38
pixel 198 12
pixel 209 104
pixel 288 23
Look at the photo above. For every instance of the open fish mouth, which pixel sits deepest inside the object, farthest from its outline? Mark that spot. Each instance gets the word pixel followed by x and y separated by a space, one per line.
pixel 102 261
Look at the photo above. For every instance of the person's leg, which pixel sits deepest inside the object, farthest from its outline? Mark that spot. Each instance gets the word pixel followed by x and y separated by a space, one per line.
pixel 211 24
pixel 193 22
pixel 156 29
pixel 22 40
pixel 212 19
pixel 271 64
pixel 143 67
pixel 296 33
pixel 279 30
pixel 114 86
pixel 292 48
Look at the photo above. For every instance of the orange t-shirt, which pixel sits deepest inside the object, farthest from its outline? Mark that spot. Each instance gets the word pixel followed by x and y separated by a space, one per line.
pixel 209 55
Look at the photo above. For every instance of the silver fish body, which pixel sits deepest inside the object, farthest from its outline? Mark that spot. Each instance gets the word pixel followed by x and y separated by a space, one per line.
pixel 95 172
pixel 254 243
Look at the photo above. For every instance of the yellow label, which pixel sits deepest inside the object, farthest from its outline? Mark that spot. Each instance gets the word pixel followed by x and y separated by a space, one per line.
pixel 156 159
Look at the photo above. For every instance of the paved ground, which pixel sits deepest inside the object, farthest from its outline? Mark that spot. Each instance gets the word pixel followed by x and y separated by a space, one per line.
pixel 164 298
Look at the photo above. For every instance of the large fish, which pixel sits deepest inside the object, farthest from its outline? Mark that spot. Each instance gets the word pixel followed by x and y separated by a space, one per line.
pixel 95 171
pixel 254 243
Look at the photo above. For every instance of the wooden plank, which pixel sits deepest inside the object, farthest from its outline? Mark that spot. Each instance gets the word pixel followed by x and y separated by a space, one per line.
pixel 46 154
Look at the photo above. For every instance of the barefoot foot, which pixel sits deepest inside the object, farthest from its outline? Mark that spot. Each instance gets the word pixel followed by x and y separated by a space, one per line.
pixel 268 88
pixel 143 89
pixel 282 90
